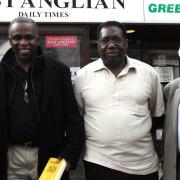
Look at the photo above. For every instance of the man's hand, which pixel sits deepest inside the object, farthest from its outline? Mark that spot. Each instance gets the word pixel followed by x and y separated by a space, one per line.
pixel 67 163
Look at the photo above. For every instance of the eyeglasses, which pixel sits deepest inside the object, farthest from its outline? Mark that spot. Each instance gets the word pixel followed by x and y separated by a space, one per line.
pixel 26 96
pixel 114 40
pixel 18 37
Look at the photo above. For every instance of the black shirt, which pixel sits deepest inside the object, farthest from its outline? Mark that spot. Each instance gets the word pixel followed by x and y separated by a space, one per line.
pixel 23 123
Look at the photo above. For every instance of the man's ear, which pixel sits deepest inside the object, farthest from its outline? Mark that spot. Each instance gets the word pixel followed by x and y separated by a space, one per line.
pixel 98 45
pixel 38 39
pixel 10 42
pixel 126 44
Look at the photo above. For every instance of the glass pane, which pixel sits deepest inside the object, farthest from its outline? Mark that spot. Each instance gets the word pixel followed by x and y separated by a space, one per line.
pixel 4 45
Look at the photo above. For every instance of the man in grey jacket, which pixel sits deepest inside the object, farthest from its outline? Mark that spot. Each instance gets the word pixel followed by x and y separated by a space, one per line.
pixel 171 131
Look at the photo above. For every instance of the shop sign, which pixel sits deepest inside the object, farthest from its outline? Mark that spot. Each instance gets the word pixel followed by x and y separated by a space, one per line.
pixel 73 10
pixel 162 11
pixel 164 8
pixel 87 11
pixel 61 41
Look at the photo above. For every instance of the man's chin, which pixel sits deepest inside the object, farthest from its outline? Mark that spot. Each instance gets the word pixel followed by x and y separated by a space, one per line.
pixel 112 65
pixel 112 62
pixel 25 59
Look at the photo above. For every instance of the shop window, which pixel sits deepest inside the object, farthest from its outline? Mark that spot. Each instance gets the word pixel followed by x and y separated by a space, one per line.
pixel 4 46
pixel 63 48
pixel 166 63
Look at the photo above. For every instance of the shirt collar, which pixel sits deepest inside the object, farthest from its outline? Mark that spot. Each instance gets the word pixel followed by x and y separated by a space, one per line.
pixel 130 63
pixel 100 65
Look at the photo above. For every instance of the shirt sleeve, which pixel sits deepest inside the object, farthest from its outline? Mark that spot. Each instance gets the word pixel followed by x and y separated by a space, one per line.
pixel 77 93
pixel 156 99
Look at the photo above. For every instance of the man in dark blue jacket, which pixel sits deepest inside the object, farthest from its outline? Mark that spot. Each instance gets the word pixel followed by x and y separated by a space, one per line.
pixel 39 115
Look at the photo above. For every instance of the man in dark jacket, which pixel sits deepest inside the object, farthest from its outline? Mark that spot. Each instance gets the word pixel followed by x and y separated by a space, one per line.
pixel 39 116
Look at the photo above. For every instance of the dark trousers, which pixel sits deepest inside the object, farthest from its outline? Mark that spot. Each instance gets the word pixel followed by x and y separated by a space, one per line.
pixel 178 166
pixel 98 172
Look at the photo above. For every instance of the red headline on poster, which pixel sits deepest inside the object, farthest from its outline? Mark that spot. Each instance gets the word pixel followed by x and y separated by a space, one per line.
pixel 61 41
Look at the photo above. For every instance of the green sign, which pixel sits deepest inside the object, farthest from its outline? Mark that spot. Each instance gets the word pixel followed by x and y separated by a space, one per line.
pixel 164 8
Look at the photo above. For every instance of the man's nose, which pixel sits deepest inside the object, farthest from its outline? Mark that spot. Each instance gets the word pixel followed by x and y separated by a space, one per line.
pixel 111 43
pixel 23 41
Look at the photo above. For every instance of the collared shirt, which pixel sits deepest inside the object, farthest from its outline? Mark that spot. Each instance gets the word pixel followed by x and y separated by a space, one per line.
pixel 117 114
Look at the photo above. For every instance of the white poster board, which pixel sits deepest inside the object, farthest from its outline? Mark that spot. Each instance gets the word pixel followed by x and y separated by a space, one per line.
pixel 165 73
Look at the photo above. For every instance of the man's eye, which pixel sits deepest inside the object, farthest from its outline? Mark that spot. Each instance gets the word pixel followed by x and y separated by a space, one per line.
pixel 118 40
pixel 114 40
pixel 17 37
pixel 104 41
pixel 29 37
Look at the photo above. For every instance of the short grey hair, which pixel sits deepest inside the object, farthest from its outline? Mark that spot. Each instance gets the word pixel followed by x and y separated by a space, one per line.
pixel 23 20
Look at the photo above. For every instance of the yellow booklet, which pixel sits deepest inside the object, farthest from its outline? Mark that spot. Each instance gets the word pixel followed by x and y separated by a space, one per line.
pixel 53 169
